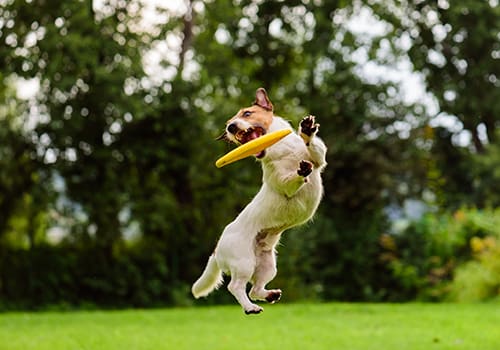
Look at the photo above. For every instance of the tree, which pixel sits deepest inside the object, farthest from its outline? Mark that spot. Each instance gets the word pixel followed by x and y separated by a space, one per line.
pixel 455 46
pixel 82 57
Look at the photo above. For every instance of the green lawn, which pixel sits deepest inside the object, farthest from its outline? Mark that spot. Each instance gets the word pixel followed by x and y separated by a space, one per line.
pixel 280 327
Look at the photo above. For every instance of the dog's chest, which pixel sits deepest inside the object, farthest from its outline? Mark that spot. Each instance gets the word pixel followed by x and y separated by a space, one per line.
pixel 304 203
pixel 282 208
pixel 275 209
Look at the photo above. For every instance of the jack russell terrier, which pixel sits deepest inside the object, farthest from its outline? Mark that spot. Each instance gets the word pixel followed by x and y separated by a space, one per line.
pixel 289 196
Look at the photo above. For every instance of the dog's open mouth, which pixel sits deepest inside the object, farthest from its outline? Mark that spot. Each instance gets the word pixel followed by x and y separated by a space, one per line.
pixel 244 136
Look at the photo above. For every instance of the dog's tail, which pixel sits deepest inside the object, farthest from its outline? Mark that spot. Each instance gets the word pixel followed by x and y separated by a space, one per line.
pixel 210 279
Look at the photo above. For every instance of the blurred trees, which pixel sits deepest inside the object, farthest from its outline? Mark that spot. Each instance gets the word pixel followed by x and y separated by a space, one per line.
pixel 22 187
pixel 115 151
pixel 457 48
pixel 81 62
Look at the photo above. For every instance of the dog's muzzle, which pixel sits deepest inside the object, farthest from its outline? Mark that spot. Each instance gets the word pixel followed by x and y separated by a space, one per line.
pixel 243 136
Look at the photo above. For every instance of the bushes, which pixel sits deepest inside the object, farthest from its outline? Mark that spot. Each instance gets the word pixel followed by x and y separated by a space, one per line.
pixel 479 279
pixel 47 276
pixel 333 259
pixel 446 257
pixel 438 257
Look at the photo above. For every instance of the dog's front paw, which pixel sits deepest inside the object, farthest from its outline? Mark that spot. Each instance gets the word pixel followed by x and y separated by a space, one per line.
pixel 305 168
pixel 308 128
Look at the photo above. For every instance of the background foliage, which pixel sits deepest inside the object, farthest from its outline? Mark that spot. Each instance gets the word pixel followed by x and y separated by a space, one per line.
pixel 108 193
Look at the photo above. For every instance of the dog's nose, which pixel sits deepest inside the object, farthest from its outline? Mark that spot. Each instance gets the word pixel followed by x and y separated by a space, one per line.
pixel 232 128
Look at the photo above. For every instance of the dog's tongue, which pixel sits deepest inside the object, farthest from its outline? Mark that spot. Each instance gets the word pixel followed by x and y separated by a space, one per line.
pixel 253 135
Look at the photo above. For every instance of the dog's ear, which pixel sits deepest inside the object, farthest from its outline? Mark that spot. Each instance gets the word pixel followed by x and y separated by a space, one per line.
pixel 262 100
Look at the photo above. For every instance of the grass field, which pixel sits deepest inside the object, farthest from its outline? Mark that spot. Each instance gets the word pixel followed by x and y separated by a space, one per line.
pixel 281 327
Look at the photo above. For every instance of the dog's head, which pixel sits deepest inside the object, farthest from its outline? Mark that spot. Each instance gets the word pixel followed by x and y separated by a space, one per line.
pixel 250 122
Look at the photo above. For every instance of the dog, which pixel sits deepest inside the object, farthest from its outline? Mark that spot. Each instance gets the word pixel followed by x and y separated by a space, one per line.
pixel 290 194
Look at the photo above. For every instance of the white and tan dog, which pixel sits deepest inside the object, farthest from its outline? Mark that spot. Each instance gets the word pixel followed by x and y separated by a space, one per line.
pixel 289 196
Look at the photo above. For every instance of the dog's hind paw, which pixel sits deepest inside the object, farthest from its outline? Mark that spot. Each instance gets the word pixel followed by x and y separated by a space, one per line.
pixel 255 309
pixel 273 296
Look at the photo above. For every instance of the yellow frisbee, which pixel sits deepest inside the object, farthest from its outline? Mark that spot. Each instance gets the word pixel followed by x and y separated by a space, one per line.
pixel 252 147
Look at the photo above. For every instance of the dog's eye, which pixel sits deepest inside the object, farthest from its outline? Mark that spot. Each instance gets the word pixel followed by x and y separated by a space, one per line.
pixel 247 114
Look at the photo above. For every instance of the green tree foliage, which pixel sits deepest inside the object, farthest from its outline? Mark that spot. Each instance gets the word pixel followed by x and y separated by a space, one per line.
pixel 456 47
pixel 24 192
pixel 82 60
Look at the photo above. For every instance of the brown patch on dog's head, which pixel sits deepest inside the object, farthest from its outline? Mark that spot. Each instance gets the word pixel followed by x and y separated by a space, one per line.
pixel 250 122
pixel 259 115
pixel 254 115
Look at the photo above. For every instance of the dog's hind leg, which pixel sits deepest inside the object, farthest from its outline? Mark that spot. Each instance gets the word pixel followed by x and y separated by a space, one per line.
pixel 237 287
pixel 265 266
pixel 265 271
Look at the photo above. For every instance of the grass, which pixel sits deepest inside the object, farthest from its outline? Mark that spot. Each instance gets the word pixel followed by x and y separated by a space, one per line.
pixel 285 326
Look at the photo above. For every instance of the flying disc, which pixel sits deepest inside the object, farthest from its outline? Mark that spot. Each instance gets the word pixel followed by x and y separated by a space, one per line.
pixel 252 147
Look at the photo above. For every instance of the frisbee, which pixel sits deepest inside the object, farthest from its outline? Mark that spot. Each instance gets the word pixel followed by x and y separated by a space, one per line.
pixel 252 147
